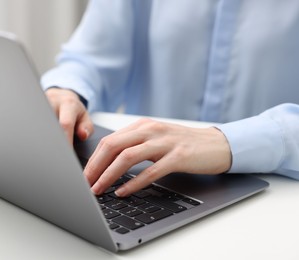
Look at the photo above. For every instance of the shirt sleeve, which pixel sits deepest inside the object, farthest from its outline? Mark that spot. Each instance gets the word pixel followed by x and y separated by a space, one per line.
pixel 96 61
pixel 267 143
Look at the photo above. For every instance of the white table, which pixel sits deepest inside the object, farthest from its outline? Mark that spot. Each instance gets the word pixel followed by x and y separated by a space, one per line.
pixel 265 226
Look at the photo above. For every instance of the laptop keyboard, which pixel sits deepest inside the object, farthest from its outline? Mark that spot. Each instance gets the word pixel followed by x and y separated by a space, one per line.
pixel 142 208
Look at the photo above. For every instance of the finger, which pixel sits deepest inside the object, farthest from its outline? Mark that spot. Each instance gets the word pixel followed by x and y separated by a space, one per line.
pixel 151 174
pixel 53 103
pixel 106 152
pixel 67 120
pixel 84 126
pixel 124 161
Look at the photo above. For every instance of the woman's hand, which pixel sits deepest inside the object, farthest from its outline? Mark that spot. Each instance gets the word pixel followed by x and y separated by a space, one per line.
pixel 72 115
pixel 172 148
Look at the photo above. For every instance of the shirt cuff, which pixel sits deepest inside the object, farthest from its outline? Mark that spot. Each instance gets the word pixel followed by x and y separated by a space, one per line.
pixel 256 144
pixel 70 76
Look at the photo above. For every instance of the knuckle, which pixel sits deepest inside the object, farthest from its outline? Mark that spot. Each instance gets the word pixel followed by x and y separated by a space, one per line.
pixel 70 100
pixel 147 145
pixel 145 123
pixel 90 169
pixel 157 126
pixel 107 144
pixel 127 155
pixel 152 173
pixel 153 125
pixel 66 124
pixel 144 120
pixel 177 157
pixel 179 152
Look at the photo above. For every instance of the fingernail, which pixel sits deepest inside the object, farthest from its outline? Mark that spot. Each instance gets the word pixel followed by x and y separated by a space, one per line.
pixel 87 133
pixel 97 189
pixel 120 192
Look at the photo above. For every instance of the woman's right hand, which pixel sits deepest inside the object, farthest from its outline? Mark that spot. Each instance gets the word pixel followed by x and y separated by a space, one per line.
pixel 71 113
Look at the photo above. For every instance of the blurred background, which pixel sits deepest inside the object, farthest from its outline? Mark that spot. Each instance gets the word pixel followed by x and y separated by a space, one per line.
pixel 41 25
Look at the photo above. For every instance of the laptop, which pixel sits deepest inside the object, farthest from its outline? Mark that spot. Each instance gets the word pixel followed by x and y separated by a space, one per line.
pixel 42 173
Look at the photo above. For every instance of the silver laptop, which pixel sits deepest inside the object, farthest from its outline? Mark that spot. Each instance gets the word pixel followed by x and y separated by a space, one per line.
pixel 41 173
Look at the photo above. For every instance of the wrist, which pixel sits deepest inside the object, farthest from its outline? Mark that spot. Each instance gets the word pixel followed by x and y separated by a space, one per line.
pixel 225 150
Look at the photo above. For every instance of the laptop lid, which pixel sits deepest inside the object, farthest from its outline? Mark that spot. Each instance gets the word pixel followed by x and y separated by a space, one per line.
pixel 39 170
pixel 41 173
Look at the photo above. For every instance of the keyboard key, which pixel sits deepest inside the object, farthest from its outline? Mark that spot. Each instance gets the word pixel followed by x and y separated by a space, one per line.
pixel 109 190
pixel 113 195
pixel 115 204
pixel 120 181
pixel 149 208
pixel 113 226
pixel 148 187
pixel 103 199
pixel 142 194
pixel 128 222
pixel 160 189
pixel 162 202
pixel 122 230
pixel 149 218
pixel 109 213
pixel 133 201
pixel 172 196
pixel 130 211
pixel 191 201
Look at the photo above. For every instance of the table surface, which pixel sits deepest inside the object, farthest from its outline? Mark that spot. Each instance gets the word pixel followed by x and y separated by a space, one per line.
pixel 262 227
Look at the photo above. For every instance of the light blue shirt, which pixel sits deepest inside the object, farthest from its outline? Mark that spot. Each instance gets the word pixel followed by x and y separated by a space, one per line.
pixel 234 62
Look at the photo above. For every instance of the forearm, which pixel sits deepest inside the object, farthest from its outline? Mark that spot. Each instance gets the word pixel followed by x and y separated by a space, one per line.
pixel 96 61
pixel 73 76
